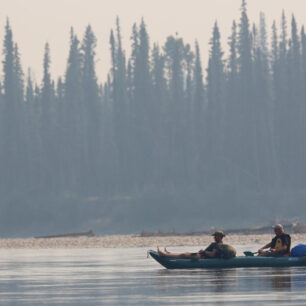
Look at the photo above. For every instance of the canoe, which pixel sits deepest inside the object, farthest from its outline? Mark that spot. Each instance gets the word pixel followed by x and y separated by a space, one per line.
pixel 237 262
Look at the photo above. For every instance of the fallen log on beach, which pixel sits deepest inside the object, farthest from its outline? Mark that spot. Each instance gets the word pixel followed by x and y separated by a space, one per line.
pixel 89 233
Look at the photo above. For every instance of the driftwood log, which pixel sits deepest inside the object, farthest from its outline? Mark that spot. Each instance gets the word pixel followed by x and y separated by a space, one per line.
pixel 89 233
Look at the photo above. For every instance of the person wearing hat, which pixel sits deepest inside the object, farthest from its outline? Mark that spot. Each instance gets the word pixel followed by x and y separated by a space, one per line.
pixel 212 251
pixel 280 244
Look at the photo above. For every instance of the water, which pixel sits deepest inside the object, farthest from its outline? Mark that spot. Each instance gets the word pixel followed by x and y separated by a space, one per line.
pixel 127 277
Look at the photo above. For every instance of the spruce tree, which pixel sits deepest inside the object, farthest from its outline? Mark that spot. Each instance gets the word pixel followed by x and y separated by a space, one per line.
pixel 142 106
pixel 198 121
pixel 120 103
pixel 73 118
pixel 48 122
pixel 294 109
pixel 12 142
pixel 215 115
pixel 174 59
pixel 246 153
pixel 159 99
pixel 263 112
pixel 92 109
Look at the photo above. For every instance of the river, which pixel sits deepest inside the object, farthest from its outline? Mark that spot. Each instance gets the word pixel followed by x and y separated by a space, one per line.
pixel 125 276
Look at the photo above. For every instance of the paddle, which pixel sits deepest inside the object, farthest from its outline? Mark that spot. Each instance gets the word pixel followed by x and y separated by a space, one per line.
pixel 248 253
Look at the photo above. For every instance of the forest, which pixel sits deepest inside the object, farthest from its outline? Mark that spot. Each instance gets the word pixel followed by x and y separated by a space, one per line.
pixel 165 142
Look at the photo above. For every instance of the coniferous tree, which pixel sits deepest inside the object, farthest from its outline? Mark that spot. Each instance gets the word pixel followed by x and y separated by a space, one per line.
pixel 232 104
pixel 48 121
pixel 120 110
pixel 263 112
pixel 281 97
pixel 160 98
pixel 175 52
pixel 32 137
pixel 110 158
pixel 73 117
pixel 274 53
pixel 197 123
pixel 294 108
pixel 12 115
pixel 263 34
pixel 92 164
pixel 215 120
pixel 142 105
pixel 275 75
pixel 248 171
pixel 303 54
pixel 303 95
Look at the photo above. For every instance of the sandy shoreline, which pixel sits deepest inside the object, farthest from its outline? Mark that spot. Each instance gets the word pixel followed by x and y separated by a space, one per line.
pixel 121 241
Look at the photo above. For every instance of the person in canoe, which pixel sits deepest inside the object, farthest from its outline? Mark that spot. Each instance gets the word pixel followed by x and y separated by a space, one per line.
pixel 280 244
pixel 215 250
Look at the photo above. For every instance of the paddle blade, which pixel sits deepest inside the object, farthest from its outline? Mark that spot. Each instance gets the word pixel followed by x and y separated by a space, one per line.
pixel 248 253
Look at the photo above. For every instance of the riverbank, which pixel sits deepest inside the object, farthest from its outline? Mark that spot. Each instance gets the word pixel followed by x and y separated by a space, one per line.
pixel 122 241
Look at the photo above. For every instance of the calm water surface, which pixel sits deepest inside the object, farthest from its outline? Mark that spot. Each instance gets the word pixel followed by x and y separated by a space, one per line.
pixel 128 277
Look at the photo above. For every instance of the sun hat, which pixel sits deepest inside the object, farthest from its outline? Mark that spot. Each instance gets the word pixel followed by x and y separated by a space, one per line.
pixel 218 233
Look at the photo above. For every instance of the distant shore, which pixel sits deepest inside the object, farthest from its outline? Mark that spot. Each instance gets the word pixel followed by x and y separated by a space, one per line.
pixel 127 241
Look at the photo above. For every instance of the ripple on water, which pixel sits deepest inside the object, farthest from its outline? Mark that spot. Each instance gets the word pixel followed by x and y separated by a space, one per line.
pixel 124 276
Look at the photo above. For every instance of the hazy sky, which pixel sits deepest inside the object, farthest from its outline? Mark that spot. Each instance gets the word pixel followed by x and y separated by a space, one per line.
pixel 35 22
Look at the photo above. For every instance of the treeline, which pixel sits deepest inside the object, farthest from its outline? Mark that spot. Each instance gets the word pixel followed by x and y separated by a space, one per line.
pixel 157 125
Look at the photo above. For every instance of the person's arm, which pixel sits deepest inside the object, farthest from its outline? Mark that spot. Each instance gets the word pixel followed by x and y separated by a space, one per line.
pixel 211 253
pixel 265 247
pixel 283 248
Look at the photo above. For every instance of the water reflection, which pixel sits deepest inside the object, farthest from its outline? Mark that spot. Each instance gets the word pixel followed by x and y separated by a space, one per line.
pixel 211 280
pixel 91 277
pixel 269 279
pixel 281 279
pixel 223 280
